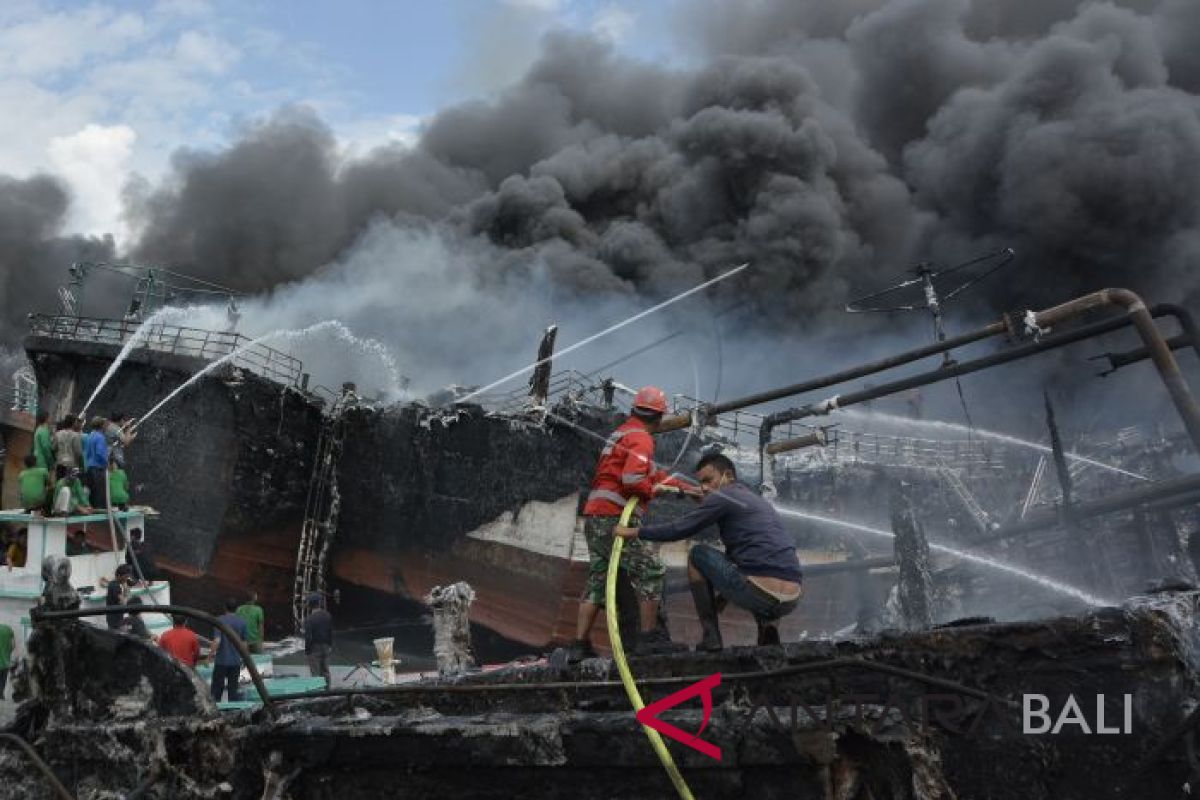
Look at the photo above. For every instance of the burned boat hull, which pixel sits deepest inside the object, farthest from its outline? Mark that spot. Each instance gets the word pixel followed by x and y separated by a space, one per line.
pixel 426 498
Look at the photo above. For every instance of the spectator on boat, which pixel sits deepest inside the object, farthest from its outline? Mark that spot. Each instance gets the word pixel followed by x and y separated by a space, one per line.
pixel 181 642
pixel 134 621
pixel 43 442
pixel 318 638
pixel 116 433
pixel 15 555
pixel 118 594
pixel 68 493
pixel 139 550
pixel 7 644
pixel 118 487
pixel 36 486
pixel 95 462
pixel 252 613
pixel 67 444
pixel 223 655
pixel 77 544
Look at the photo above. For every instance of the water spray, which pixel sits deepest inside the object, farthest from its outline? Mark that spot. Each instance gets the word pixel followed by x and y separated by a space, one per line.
pixel 139 335
pixel 337 327
pixel 975 558
pixel 606 331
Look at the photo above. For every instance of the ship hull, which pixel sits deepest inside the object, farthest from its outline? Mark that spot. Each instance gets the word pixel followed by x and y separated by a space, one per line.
pixel 426 499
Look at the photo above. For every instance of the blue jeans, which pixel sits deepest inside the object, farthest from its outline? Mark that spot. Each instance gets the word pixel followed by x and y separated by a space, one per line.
pixel 727 581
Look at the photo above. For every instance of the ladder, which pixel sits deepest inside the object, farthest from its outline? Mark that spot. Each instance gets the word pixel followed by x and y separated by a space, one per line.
pixel 978 514
pixel 321 508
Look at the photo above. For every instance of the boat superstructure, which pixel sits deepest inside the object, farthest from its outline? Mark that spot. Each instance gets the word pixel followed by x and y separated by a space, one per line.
pixel 107 538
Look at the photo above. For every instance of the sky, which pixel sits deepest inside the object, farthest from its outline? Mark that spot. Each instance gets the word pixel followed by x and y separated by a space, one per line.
pixel 627 150
pixel 97 93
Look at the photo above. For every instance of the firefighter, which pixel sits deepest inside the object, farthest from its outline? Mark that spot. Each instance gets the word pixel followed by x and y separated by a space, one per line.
pixel 626 470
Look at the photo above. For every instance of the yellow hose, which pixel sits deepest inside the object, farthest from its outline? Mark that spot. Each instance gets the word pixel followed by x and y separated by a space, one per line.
pixel 614 636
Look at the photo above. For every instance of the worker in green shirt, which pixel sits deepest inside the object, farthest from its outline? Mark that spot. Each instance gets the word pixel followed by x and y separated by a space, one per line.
pixel 43 446
pixel 35 486
pixel 68 493
pixel 252 613
pixel 6 656
pixel 118 487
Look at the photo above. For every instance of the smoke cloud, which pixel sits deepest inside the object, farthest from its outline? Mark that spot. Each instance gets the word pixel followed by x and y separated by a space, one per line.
pixel 33 255
pixel 828 144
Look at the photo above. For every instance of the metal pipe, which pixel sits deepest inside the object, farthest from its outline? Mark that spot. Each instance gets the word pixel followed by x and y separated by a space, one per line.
pixel 849 565
pixel 1138 315
pixel 1187 323
pixel 1043 518
pixel 226 631
pixel 684 420
pixel 1189 336
pixel 42 766
pixel 943 373
pixel 1160 354
pixel 815 438
pixel 1049 517
pixel 728 677
pixel 1118 360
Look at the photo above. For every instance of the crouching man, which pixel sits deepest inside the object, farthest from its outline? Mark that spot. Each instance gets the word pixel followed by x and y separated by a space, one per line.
pixel 759 570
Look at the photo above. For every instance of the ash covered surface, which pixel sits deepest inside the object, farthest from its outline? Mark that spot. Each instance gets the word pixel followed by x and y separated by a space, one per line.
pixel 535 734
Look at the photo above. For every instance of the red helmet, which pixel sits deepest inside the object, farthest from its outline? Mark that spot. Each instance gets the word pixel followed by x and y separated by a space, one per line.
pixel 651 398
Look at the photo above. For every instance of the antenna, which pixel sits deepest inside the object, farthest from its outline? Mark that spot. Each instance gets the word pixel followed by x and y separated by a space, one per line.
pixel 154 287
pixel 932 288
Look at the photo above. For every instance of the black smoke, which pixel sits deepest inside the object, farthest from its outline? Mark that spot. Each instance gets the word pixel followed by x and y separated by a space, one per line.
pixel 828 144
pixel 34 255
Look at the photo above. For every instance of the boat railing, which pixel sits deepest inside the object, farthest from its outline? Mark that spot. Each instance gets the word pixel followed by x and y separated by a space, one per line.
pixel 176 340
pixel 565 385
pixel 860 447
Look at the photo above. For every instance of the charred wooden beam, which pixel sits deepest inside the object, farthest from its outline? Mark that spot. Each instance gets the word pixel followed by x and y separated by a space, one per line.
pixel 539 381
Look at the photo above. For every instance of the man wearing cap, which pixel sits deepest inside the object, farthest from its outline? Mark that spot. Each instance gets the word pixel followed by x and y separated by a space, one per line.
pixel 626 470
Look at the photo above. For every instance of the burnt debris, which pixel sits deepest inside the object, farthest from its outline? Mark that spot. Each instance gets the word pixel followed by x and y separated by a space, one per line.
pixel 942 713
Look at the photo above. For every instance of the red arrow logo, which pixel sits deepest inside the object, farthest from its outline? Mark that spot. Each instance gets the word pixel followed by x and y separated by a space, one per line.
pixel 648 716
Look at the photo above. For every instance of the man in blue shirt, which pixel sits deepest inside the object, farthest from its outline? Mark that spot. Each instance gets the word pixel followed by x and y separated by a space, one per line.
pixel 95 458
pixel 759 570
pixel 227 664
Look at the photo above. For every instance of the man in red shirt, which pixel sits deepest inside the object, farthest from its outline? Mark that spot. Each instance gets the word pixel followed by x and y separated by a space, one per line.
pixel 626 470
pixel 181 642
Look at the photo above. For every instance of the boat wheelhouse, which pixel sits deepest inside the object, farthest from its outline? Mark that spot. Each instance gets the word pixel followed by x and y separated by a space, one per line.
pixel 107 542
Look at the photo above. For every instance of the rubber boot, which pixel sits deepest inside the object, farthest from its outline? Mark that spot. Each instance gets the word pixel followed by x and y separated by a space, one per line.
pixel 579 650
pixel 768 632
pixel 710 641
pixel 654 642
